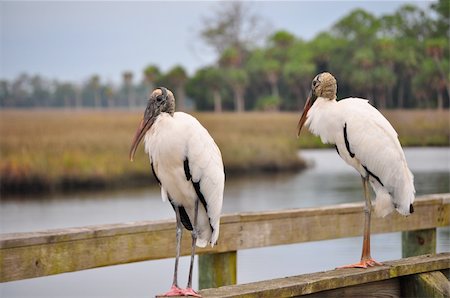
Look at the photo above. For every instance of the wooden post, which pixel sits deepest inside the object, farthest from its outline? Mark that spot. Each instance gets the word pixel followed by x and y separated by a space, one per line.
pixel 428 284
pixel 217 269
pixel 419 242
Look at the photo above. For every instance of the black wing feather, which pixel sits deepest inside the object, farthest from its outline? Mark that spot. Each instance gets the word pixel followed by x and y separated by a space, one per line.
pixel 183 215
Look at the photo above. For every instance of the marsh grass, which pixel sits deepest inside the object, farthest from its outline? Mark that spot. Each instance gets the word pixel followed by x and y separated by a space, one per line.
pixel 49 150
pixel 64 149
pixel 421 127
pixel 255 141
pixel 45 150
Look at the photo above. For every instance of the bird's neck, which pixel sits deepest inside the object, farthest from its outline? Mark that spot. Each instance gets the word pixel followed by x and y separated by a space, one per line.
pixel 320 116
pixel 323 103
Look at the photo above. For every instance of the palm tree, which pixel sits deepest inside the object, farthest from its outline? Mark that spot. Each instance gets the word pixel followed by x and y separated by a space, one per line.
pixel 109 93
pixel 177 78
pixel 270 62
pixel 297 75
pixel 128 87
pixel 299 70
pixel 94 85
pixel 215 82
pixel 435 48
pixel 237 78
pixel 238 81
pixel 383 73
pixel 261 62
pixel 279 44
pixel 151 75
pixel 64 95
pixel 323 46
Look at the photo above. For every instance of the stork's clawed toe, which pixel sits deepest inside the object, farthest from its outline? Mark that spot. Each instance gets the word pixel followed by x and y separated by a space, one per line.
pixel 362 264
pixel 174 291
pixel 191 292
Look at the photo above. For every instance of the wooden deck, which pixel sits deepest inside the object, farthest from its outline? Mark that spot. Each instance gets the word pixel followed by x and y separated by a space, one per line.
pixel 30 255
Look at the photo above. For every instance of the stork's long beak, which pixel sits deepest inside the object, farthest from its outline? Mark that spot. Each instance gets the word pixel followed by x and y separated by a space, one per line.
pixel 308 104
pixel 144 126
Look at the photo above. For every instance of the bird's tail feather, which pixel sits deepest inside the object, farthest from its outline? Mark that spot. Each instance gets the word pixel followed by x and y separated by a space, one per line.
pixel 404 195
pixel 204 240
pixel 215 236
pixel 206 237
pixel 206 233
pixel 201 242
pixel 401 199
pixel 383 203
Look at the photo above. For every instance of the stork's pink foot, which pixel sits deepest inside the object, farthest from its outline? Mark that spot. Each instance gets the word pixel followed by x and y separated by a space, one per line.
pixel 369 262
pixel 190 292
pixel 174 291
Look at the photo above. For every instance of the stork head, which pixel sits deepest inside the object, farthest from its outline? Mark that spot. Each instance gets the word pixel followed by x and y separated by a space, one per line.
pixel 324 85
pixel 161 101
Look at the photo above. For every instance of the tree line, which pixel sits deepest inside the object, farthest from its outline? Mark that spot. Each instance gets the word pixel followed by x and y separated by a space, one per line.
pixel 399 60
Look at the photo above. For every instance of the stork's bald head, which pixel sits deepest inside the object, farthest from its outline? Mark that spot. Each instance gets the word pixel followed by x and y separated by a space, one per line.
pixel 161 100
pixel 324 85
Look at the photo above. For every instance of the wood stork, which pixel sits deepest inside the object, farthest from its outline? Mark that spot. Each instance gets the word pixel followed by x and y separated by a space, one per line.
pixel 188 166
pixel 365 140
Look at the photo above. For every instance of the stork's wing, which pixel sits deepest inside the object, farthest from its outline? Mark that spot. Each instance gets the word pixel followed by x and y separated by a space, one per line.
pixel 370 136
pixel 205 167
pixel 375 144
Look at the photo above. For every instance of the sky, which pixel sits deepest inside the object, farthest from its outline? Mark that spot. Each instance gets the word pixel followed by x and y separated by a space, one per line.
pixel 71 41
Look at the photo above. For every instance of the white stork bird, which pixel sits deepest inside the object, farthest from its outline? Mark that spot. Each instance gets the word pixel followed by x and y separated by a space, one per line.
pixel 365 140
pixel 188 166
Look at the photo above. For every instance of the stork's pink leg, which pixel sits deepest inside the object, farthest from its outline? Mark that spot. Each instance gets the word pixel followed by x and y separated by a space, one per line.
pixel 175 290
pixel 189 291
pixel 366 259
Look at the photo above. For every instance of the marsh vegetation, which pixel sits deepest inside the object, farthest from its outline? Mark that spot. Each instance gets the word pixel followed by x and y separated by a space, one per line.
pixel 50 150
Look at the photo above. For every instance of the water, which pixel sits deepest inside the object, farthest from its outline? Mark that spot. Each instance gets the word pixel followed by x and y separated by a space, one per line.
pixel 330 181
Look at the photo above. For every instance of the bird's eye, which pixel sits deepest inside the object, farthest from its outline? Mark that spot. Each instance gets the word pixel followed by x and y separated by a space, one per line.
pixel 314 83
pixel 159 98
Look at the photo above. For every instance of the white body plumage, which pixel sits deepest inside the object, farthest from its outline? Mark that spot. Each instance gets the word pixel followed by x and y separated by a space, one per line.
pixel 179 140
pixel 367 141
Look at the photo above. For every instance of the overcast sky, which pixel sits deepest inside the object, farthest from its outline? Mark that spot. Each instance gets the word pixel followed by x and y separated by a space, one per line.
pixel 74 40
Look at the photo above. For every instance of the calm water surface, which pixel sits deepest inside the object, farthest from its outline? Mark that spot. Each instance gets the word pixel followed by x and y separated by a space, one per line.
pixel 329 181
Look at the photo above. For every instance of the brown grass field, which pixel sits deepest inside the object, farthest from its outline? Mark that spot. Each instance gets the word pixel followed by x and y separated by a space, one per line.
pixel 46 150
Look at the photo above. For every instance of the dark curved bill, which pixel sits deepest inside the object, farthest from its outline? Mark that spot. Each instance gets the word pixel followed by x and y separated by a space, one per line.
pixel 140 133
pixel 302 120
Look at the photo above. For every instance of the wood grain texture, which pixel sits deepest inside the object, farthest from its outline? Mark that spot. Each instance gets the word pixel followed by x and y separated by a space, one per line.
pixel 331 280
pixel 419 242
pixel 428 284
pixel 28 255
pixel 218 269
pixel 389 288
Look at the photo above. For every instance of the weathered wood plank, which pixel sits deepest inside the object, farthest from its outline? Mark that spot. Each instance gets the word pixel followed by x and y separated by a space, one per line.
pixel 446 273
pixel 218 269
pixel 384 288
pixel 428 284
pixel 28 255
pixel 420 242
pixel 330 280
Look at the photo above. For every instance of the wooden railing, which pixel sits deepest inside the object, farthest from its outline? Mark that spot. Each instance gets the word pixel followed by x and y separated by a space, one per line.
pixel 29 255
pixel 420 276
